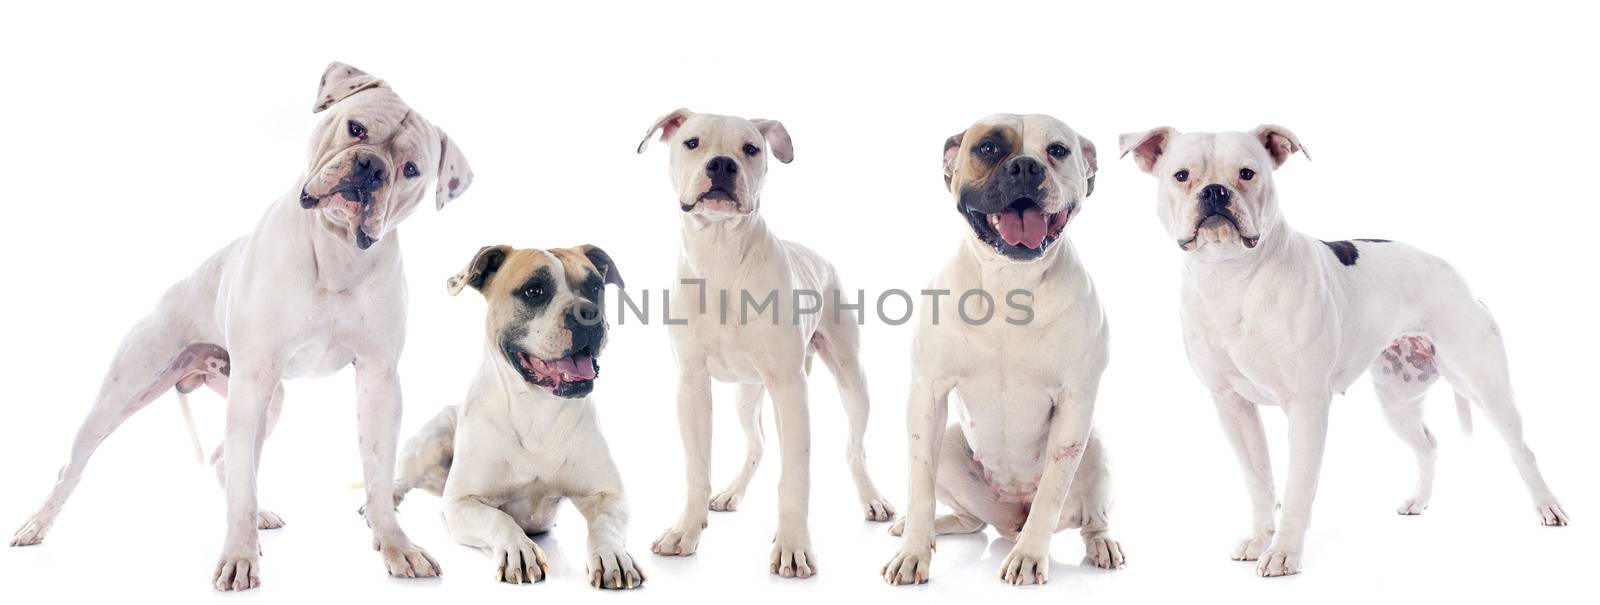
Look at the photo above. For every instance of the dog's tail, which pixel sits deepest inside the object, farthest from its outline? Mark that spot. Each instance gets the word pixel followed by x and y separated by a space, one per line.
pixel 1464 413
pixel 188 422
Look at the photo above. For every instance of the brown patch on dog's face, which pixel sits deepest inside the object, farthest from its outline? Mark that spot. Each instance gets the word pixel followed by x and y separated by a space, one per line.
pixel 1018 180
pixel 546 312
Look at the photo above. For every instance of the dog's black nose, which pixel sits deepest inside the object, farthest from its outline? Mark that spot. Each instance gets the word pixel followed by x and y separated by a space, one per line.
pixel 721 166
pixel 369 173
pixel 587 325
pixel 1215 197
pixel 1024 168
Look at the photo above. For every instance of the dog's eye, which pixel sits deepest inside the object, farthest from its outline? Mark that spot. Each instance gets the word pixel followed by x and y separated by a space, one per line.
pixel 411 171
pixel 357 130
pixel 987 149
pixel 533 292
pixel 751 150
pixel 1181 175
pixel 1246 174
pixel 1057 150
pixel 692 143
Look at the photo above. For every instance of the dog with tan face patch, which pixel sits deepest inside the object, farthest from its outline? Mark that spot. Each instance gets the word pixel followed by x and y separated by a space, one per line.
pixel 317 286
pixel 526 437
pixel 739 294
pixel 1272 316
pixel 1023 456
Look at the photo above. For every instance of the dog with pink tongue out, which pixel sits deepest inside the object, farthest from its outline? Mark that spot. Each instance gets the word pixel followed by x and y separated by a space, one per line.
pixel 1023 455
pixel 527 437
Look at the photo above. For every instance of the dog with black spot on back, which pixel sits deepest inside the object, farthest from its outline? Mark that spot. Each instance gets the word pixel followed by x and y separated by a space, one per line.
pixel 1275 317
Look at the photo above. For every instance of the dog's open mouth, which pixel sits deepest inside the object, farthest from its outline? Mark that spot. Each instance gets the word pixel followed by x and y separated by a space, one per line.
pixel 1023 231
pixel 1217 219
pixel 570 376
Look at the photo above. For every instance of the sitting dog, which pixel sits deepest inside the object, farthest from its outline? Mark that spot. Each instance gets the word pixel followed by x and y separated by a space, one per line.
pixel 527 435
pixel 1275 317
pixel 1024 456
pixel 729 257
pixel 316 287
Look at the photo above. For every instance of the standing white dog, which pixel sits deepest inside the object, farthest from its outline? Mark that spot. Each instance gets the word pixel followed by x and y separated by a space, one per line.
pixel 1275 317
pixel 316 287
pixel 731 259
pixel 1024 456
pixel 526 437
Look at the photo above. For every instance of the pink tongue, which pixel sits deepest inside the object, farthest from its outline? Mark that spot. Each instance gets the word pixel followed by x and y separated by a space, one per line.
pixel 580 367
pixel 1026 229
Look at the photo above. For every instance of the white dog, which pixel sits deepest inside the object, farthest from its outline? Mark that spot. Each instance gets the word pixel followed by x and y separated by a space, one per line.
pixel 527 437
pixel 1024 456
pixel 1275 317
pixel 755 339
pixel 316 287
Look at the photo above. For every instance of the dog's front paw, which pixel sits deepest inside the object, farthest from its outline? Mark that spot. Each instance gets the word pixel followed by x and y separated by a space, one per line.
pixel 520 561
pixel 791 556
pixel 1250 549
pixel 238 569
pixel 31 533
pixel 726 502
pixel 1277 561
pixel 404 559
pixel 911 565
pixel 266 519
pixel 1552 515
pixel 1103 551
pixel 878 509
pixel 1026 564
pixel 614 568
pixel 679 541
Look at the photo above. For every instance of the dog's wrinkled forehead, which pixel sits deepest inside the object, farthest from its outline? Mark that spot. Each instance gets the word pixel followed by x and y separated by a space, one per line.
pixel 717 132
pixel 1204 153
pixel 977 153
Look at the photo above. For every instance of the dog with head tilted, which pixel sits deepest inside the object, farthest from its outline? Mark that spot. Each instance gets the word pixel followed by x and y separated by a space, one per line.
pixel 316 287
pixel 1272 316
pixel 1023 455
pixel 739 291
pixel 527 436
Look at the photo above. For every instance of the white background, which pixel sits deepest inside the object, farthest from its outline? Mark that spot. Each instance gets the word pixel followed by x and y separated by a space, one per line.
pixel 137 140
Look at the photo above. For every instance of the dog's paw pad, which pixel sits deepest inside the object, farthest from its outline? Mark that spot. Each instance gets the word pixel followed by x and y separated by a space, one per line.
pixel 1552 515
pixel 266 519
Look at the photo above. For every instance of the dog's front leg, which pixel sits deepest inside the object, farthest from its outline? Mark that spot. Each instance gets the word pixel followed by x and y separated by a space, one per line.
pixel 927 409
pixel 378 425
pixel 249 396
pixel 610 565
pixel 1029 560
pixel 474 523
pixel 791 549
pixel 694 425
pixel 1308 434
pixel 1241 422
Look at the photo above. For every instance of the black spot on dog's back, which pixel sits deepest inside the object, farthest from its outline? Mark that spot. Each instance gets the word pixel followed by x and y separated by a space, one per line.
pixel 1375 241
pixel 1344 251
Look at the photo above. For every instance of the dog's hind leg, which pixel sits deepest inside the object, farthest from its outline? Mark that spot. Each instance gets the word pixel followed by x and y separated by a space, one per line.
pixel 839 345
pixel 425 461
pixel 1472 358
pixel 750 421
pixel 265 519
pixel 146 365
pixel 1401 376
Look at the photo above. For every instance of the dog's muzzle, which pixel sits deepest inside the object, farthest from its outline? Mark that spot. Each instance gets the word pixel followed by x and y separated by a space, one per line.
pixel 356 190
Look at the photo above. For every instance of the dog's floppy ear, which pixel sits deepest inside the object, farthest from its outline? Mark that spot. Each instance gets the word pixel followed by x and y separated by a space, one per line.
pixel 1147 146
pixel 603 264
pixel 952 148
pixel 1093 158
pixel 480 270
pixel 667 124
pixel 340 81
pixel 455 175
pixel 1280 143
pixel 777 138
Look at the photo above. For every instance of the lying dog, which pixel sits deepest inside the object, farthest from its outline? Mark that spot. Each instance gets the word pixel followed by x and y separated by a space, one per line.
pixel 718 165
pixel 527 436
pixel 316 287
pixel 1275 317
pixel 1024 457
